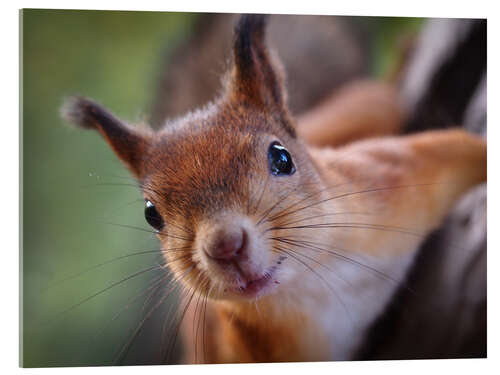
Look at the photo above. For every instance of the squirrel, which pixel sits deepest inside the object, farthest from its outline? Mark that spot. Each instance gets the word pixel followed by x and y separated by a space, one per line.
pixel 294 235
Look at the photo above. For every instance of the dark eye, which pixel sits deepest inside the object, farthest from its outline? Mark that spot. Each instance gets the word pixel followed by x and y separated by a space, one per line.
pixel 280 160
pixel 152 216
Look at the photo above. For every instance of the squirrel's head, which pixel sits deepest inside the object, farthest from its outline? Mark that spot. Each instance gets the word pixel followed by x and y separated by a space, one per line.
pixel 221 183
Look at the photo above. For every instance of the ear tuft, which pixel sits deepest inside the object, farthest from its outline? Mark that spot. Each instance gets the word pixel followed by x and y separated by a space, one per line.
pixel 128 143
pixel 257 75
pixel 74 111
pixel 249 34
pixel 82 112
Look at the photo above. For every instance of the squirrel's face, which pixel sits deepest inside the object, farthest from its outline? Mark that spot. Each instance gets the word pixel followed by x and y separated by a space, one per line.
pixel 221 184
pixel 217 190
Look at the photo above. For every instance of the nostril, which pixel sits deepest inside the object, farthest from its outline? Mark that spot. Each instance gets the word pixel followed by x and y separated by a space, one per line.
pixel 227 245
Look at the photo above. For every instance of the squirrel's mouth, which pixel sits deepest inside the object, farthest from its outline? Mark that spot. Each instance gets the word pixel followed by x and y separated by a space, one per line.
pixel 259 286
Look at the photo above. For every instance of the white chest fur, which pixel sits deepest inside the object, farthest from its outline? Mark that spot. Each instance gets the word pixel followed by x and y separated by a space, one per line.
pixel 342 298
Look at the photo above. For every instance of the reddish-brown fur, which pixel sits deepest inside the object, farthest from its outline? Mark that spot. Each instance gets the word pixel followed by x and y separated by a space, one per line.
pixel 214 161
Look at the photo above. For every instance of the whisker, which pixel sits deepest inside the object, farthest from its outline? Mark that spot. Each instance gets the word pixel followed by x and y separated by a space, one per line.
pixel 343 195
pixel 261 195
pixel 202 298
pixel 164 347
pixel 279 201
pixel 381 227
pixel 120 207
pixel 314 260
pixel 156 285
pixel 204 324
pixel 308 197
pixel 149 269
pixel 314 246
pixel 172 345
pixel 94 267
pixel 152 295
pixel 146 230
pixel 325 215
pixel 183 229
pixel 293 204
pixel 195 331
pixel 123 352
pixel 320 277
pixel 129 227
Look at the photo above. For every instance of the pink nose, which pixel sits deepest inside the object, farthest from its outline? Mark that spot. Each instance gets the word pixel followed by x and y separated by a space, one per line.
pixel 226 245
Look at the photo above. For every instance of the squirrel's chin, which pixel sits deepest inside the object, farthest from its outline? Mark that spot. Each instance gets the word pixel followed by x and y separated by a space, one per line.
pixel 268 282
pixel 253 291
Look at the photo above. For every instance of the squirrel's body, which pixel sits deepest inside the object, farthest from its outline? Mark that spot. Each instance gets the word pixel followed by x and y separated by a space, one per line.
pixel 287 249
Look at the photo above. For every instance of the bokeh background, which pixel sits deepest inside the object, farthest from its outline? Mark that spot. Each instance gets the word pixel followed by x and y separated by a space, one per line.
pixel 74 190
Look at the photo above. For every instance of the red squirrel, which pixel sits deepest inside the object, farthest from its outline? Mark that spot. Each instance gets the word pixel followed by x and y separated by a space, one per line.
pixel 288 237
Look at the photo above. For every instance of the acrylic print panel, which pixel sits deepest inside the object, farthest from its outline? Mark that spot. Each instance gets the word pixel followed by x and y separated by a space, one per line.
pixel 277 189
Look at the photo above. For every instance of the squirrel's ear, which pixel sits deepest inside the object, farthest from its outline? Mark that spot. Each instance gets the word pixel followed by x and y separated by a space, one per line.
pixel 128 143
pixel 257 77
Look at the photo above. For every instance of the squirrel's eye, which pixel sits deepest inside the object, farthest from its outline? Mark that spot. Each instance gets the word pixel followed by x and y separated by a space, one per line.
pixel 280 160
pixel 152 216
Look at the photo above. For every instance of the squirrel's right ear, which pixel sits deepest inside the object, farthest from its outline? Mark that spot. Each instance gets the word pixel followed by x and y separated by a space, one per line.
pixel 257 77
pixel 129 144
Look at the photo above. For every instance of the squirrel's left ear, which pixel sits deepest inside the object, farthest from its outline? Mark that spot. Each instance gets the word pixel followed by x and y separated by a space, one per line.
pixel 128 143
pixel 257 76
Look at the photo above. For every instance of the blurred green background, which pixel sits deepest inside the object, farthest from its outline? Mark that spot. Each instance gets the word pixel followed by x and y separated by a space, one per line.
pixel 73 186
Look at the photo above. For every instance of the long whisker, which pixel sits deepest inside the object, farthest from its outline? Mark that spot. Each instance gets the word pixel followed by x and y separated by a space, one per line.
pixel 164 282
pixel 204 324
pixel 186 231
pixel 155 286
pixel 122 206
pixel 94 267
pixel 149 269
pixel 123 352
pixel 170 348
pixel 381 227
pixel 306 198
pixel 316 246
pixel 129 227
pixel 163 235
pixel 266 213
pixel 164 347
pixel 195 330
pixel 280 249
pixel 265 217
pixel 343 195
pixel 325 215
pixel 172 345
pixel 313 260
pixel 202 297
pixel 141 272
pixel 261 195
